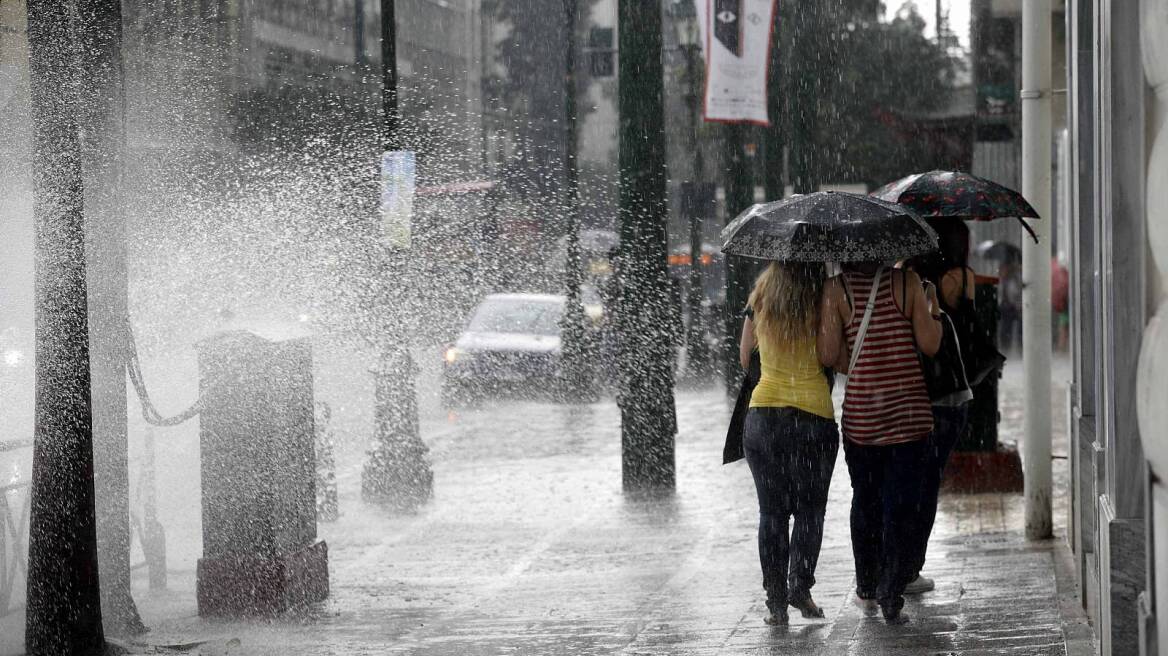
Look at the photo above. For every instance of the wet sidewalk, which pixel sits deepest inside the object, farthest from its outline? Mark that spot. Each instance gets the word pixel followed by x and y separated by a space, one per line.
pixel 529 547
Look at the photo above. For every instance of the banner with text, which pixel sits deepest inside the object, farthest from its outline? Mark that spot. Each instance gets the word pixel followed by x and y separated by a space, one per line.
pixel 737 41
pixel 398 182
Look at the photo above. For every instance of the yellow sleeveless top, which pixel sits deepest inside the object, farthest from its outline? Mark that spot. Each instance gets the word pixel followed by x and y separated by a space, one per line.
pixel 792 378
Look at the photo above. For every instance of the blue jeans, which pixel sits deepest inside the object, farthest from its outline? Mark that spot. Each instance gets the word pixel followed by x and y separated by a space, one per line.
pixel 791 455
pixel 886 491
pixel 948 425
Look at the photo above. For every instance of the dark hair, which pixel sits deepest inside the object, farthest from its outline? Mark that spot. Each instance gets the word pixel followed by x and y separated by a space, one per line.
pixel 952 252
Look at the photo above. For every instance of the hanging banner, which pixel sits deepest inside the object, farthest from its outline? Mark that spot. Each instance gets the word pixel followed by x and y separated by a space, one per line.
pixel 737 40
pixel 398 180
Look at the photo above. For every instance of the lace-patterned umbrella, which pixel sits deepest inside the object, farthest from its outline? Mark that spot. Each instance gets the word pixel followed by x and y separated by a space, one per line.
pixel 829 226
pixel 959 195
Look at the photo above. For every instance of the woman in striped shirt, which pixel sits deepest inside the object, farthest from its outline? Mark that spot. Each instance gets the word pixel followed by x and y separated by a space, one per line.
pixel 886 416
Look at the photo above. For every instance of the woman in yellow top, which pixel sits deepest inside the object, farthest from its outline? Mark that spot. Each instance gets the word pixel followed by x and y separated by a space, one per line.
pixel 790 438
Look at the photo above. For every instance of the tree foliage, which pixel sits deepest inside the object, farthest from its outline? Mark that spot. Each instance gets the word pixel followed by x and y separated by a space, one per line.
pixel 873 84
pixel 526 91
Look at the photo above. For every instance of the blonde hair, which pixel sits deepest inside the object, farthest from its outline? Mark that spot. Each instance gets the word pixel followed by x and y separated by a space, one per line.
pixel 785 300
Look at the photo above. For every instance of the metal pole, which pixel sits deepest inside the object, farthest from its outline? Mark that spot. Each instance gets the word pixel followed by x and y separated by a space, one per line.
pixel 64 601
pixel 397 473
pixel 645 364
pixel 697 355
pixel 102 124
pixel 574 353
pixel 1036 330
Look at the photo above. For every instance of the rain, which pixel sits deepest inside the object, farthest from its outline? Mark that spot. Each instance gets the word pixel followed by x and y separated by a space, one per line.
pixel 304 352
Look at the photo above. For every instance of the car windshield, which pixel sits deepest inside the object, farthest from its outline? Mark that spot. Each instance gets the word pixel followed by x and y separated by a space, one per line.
pixel 528 317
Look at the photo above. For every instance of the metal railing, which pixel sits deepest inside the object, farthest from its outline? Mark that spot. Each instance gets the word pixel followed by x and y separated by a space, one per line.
pixel 15 504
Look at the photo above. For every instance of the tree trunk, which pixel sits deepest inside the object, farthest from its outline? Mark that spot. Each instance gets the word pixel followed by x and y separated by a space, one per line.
pixel 101 119
pixel 64 606
pixel 648 415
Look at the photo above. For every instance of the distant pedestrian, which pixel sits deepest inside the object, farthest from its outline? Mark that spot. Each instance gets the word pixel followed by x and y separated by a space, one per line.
pixel 791 438
pixel 948 270
pixel 871 324
pixel 1060 303
pixel 1010 304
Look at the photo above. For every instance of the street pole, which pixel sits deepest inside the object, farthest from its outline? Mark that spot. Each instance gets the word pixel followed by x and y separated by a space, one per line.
pixel 397 473
pixel 739 186
pixel 774 181
pixel 697 351
pixel 63 592
pixel 573 331
pixel 645 359
pixel 804 66
pixel 102 126
pixel 1036 329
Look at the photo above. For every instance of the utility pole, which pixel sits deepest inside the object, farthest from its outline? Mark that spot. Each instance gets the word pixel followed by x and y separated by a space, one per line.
pixel 774 180
pixel 64 600
pixel 697 205
pixel 397 473
pixel 102 126
pixel 739 186
pixel 805 67
pixel 1036 330
pixel 574 344
pixel 645 360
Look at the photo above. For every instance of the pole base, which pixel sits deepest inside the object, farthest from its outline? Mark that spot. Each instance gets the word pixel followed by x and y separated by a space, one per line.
pixel 973 472
pixel 251 585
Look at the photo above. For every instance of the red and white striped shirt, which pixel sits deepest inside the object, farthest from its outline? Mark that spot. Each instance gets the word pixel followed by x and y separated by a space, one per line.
pixel 885 401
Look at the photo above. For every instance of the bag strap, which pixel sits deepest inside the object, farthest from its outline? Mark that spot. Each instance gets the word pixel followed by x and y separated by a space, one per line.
pixel 864 322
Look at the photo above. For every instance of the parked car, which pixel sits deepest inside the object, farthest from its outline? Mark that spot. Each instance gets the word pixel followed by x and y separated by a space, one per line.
pixel 510 345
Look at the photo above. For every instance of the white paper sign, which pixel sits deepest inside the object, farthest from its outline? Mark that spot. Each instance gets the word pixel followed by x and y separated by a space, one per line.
pixel 398 181
pixel 737 40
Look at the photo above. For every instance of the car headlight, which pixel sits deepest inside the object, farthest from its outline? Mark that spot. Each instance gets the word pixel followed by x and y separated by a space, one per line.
pixel 453 354
pixel 13 357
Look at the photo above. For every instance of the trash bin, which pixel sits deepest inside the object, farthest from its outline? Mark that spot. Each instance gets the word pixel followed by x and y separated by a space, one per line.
pixel 256 438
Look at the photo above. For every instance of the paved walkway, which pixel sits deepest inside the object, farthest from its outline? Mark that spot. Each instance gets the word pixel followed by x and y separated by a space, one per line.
pixel 529 547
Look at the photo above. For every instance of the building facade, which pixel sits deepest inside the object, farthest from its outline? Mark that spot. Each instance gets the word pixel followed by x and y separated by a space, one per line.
pixel 1117 94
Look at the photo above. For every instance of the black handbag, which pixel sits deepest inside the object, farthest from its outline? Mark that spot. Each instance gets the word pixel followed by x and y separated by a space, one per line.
pixel 967 354
pixel 944 371
pixel 732 451
pixel 979 351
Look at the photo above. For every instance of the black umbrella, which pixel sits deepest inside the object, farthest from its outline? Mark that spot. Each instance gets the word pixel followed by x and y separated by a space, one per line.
pixel 829 226
pixel 1000 251
pixel 959 195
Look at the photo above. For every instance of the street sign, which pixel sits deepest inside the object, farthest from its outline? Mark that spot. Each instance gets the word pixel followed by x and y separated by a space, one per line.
pixel 398 183
pixel 737 41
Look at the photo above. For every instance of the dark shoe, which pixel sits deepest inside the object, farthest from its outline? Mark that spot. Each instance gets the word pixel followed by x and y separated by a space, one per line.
pixel 920 584
pixel 894 616
pixel 808 608
pixel 776 618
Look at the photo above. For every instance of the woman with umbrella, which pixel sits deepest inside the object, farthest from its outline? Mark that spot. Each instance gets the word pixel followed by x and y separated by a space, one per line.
pixel 947 199
pixel 791 438
pixel 948 270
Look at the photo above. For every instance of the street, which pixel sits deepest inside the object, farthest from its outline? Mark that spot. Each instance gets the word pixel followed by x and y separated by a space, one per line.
pixel 529 547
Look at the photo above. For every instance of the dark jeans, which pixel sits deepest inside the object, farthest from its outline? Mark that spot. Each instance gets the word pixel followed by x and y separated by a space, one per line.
pixel 948 425
pixel 886 490
pixel 791 454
